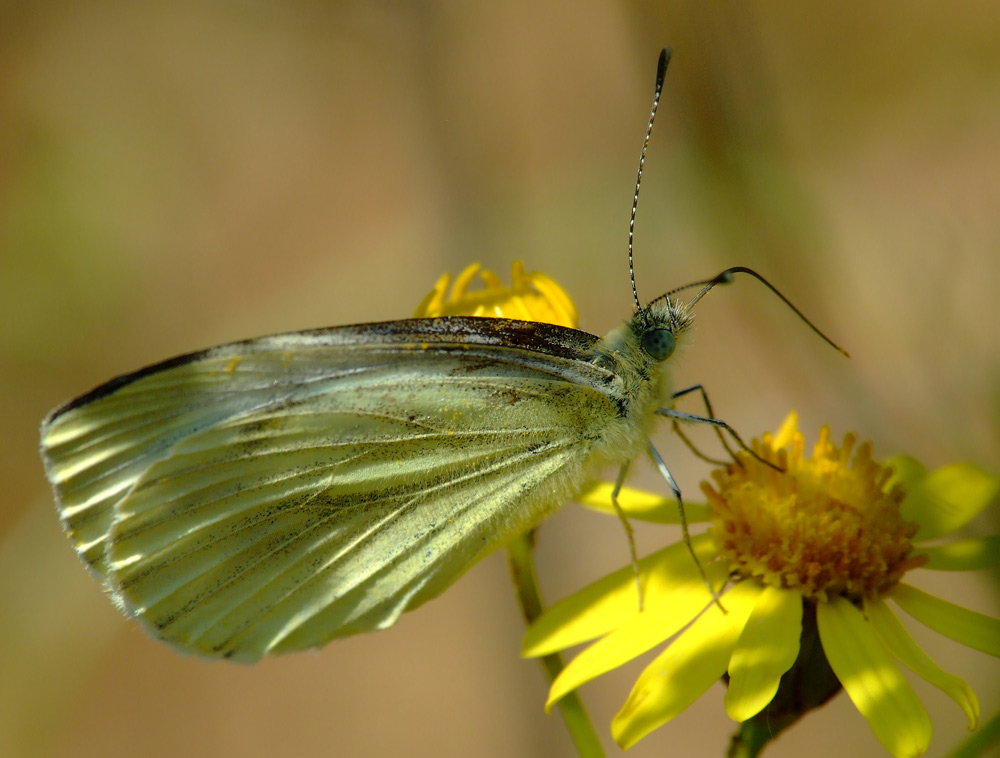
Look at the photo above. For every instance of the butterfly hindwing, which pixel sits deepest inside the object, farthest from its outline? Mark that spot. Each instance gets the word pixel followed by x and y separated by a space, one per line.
pixel 276 493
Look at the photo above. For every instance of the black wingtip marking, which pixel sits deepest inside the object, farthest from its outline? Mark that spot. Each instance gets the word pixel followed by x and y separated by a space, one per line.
pixel 112 386
pixel 532 335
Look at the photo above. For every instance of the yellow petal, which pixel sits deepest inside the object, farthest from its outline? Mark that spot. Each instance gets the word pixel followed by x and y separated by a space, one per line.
pixel 909 653
pixel 966 555
pixel 872 679
pixel 766 649
pixel 563 310
pixel 642 506
pixel 664 615
pixel 688 667
pixel 434 300
pixel 972 629
pixel 948 497
pixel 531 297
pixel 607 603
pixel 463 280
pixel 519 278
pixel 516 306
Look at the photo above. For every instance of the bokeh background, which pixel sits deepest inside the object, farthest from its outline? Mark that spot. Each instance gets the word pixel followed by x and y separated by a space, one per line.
pixel 175 175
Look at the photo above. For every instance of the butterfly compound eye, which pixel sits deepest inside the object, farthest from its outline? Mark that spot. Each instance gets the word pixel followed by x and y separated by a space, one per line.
pixel 658 343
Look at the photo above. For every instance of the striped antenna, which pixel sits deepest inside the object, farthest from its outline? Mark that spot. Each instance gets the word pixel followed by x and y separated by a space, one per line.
pixel 661 70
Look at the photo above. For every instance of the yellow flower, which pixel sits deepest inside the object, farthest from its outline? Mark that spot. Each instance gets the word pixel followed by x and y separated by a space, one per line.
pixel 809 554
pixel 531 297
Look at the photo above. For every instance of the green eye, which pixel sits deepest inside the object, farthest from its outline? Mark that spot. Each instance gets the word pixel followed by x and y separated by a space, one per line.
pixel 658 343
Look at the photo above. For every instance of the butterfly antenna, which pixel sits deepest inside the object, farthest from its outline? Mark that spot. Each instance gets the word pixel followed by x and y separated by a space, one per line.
pixel 727 276
pixel 661 70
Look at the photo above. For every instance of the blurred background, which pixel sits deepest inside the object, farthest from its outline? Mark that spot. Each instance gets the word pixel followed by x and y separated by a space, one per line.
pixel 176 175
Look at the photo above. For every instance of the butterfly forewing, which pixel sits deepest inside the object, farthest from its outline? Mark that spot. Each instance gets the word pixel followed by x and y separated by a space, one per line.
pixel 276 493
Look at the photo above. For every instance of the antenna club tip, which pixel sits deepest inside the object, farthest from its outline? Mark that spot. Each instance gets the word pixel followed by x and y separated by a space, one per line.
pixel 661 64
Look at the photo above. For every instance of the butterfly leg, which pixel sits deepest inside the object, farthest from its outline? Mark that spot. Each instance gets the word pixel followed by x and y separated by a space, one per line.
pixel 709 414
pixel 665 473
pixel 628 530
pixel 718 424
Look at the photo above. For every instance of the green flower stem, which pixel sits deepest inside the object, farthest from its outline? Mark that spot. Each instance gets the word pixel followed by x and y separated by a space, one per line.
pixel 521 556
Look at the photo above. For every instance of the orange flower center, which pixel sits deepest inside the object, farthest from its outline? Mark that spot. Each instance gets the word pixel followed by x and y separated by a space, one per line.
pixel 825 526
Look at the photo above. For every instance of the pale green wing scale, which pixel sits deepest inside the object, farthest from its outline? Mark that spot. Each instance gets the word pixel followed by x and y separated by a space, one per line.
pixel 273 494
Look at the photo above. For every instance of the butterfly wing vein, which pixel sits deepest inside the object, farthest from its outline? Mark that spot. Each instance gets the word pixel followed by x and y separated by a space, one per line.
pixel 274 494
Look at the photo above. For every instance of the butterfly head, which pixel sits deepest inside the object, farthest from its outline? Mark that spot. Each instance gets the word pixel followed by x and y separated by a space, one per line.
pixel 660 326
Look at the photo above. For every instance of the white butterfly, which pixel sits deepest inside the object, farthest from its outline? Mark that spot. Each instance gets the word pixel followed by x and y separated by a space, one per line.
pixel 273 494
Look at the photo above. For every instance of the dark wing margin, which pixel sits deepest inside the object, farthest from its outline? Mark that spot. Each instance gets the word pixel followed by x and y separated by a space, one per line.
pixel 548 339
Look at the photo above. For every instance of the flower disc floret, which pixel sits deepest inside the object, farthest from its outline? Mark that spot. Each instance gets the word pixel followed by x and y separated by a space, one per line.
pixel 827 526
